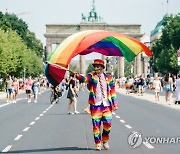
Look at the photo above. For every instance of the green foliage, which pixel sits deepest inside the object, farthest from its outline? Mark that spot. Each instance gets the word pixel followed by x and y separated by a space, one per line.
pixel 116 72
pixel 20 51
pixel 90 68
pixel 73 68
pixel 15 56
pixel 127 68
pixel 11 21
pixel 165 49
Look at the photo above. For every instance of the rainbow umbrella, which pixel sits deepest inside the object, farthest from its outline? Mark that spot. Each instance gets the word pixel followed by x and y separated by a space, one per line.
pixel 85 42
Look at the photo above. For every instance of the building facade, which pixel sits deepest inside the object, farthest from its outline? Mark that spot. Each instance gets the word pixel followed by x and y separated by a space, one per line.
pixel 56 33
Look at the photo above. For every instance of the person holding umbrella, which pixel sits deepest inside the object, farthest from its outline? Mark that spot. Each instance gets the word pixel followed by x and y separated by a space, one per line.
pixel 102 100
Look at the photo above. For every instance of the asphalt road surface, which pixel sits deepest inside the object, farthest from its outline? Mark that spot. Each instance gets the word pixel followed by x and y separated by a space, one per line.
pixel 139 127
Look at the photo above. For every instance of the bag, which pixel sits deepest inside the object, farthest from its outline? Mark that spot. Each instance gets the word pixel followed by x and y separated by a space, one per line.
pixel 153 86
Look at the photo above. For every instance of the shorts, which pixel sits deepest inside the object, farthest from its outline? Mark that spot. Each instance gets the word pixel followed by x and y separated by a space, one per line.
pixel 168 88
pixel 28 91
pixel 16 91
pixel 35 90
pixel 9 91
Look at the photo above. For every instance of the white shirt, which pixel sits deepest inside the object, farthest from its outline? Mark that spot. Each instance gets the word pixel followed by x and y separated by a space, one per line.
pixel 99 96
pixel 178 89
pixel 157 85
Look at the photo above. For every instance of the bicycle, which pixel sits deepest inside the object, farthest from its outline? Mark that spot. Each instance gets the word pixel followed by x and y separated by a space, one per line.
pixel 54 97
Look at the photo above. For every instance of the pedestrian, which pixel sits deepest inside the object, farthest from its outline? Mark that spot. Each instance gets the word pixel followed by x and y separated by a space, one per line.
pixel 157 88
pixel 168 85
pixel 102 100
pixel 63 86
pixel 140 85
pixel 28 87
pixel 178 90
pixel 67 83
pixel 8 85
pixel 15 87
pixel 128 84
pixel 35 89
pixel 72 94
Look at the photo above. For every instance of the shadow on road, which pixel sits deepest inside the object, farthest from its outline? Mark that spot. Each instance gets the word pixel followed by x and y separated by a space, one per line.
pixel 51 150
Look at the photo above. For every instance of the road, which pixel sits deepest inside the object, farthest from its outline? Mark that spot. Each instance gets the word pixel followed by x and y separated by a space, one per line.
pixel 45 128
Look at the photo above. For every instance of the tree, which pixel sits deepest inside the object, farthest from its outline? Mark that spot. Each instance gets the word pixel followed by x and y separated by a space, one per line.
pixel 15 56
pixel 165 49
pixel 90 68
pixel 73 68
pixel 127 68
pixel 11 21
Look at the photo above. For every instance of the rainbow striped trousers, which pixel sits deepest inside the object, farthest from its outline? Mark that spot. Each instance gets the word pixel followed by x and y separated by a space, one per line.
pixel 101 114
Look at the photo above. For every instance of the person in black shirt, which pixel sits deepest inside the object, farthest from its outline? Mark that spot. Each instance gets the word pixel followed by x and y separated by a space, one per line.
pixel 140 85
pixel 72 94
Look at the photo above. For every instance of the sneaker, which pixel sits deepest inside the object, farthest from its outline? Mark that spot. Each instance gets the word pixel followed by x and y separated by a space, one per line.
pixel 76 112
pixel 106 145
pixel 98 148
pixel 70 113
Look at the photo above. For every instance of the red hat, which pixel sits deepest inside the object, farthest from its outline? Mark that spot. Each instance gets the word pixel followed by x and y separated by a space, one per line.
pixel 99 62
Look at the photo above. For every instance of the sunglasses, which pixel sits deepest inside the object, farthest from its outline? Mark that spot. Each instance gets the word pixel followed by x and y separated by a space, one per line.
pixel 97 66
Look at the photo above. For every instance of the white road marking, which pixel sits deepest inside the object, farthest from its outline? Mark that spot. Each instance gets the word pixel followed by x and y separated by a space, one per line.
pixel 122 121
pixel 44 111
pixel 148 145
pixel 26 129
pixel 129 127
pixel 47 109
pixel 113 113
pixel 4 105
pixel 41 115
pixel 18 137
pixel 118 117
pixel 37 118
pixel 32 123
pixel 7 148
pixel 20 99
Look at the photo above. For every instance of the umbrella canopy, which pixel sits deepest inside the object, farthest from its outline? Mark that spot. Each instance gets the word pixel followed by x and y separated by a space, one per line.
pixel 100 41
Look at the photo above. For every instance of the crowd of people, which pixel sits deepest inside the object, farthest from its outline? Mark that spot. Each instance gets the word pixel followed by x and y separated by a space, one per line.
pixel 31 86
pixel 169 84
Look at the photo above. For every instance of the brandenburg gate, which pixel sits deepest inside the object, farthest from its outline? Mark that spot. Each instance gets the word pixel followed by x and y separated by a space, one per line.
pixel 56 33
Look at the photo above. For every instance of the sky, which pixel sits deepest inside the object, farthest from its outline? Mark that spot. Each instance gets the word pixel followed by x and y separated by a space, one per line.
pixel 38 13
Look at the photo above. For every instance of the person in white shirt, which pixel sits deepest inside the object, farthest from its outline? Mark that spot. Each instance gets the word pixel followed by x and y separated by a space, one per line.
pixel 157 85
pixel 178 90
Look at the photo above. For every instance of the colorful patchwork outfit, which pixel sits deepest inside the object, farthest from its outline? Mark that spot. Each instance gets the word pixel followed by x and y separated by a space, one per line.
pixel 102 100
